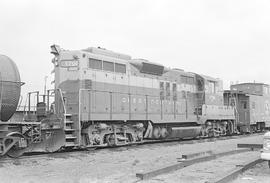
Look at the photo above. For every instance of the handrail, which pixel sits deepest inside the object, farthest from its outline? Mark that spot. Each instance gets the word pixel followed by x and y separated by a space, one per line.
pixel 1 91
pixel 62 100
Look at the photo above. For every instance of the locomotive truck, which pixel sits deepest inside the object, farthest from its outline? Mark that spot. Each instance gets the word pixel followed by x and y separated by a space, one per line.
pixel 104 98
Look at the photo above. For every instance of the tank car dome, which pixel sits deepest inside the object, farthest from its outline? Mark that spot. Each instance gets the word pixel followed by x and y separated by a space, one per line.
pixel 10 88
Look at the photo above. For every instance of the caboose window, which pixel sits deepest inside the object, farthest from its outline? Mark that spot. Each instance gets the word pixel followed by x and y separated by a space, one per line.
pixel 184 79
pixel 244 104
pixel 253 105
pixel 95 64
pixel 187 80
pixel 168 93
pixel 174 91
pixel 265 90
pixel 108 66
pixel 211 87
pixel 120 68
pixel 190 80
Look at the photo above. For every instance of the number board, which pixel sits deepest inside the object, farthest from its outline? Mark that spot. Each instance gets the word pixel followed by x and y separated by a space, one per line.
pixel 69 63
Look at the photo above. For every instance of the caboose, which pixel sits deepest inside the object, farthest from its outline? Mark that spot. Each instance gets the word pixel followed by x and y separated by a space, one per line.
pixel 251 101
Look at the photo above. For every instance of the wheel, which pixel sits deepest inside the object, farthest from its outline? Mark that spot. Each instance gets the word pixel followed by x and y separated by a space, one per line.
pixel 15 151
pixel 110 139
pixel 163 133
pixel 156 132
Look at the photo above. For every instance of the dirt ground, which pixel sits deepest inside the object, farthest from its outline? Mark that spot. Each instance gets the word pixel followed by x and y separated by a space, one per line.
pixel 206 172
pixel 112 165
pixel 259 174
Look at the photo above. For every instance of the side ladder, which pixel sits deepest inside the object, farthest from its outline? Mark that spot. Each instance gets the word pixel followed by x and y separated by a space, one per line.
pixel 72 130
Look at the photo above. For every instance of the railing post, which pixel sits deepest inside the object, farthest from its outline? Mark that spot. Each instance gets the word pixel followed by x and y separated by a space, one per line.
pixel 186 108
pixel 37 96
pixel 29 102
pixel 129 106
pixel 79 115
pixel 174 109
pixel 89 92
pixel 48 100
pixel 1 93
pixel 146 106
pixel 111 105
pixel 161 109
pixel 79 118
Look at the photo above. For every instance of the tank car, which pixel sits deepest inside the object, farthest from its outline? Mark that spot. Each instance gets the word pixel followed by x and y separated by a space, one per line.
pixel 22 136
pixel 10 87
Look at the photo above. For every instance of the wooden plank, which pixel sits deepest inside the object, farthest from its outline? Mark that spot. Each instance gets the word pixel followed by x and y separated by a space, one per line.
pixel 252 146
pixel 230 176
pixel 227 153
pixel 174 167
pixel 186 163
pixel 190 156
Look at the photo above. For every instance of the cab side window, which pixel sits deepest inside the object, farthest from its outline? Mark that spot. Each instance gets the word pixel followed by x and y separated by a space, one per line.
pixel 108 66
pixel 121 68
pixel 95 64
pixel 161 90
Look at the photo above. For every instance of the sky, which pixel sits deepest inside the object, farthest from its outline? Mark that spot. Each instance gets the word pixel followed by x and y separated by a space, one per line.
pixel 226 39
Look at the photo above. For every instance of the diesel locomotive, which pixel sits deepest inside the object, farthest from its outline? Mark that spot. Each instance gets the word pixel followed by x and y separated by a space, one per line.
pixel 104 98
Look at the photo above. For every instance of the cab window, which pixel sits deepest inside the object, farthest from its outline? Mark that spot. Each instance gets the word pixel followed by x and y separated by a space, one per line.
pixel 108 66
pixel 95 64
pixel 121 68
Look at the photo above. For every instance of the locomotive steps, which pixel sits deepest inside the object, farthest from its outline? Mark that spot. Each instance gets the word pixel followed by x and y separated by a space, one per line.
pixel 70 131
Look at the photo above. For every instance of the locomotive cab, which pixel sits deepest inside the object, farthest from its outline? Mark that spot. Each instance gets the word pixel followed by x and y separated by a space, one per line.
pixel 215 118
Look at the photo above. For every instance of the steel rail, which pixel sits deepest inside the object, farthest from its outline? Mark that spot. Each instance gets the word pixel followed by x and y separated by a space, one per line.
pixel 233 174
pixel 186 163
pixel 30 155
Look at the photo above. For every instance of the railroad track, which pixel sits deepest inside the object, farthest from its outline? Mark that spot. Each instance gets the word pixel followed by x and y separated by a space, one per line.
pixel 234 173
pixel 36 155
pixel 209 162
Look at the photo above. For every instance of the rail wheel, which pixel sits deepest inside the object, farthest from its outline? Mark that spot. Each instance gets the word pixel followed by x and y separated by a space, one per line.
pixel 211 133
pixel 163 132
pixel 156 132
pixel 17 149
pixel 110 140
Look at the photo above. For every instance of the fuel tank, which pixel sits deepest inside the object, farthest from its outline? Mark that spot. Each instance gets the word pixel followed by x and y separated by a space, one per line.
pixel 10 88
